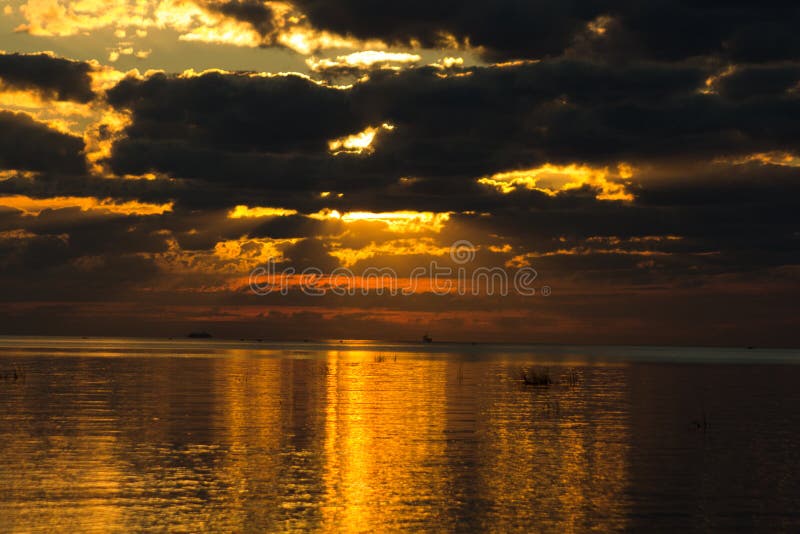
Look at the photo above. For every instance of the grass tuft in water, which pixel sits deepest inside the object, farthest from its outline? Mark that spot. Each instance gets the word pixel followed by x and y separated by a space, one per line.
pixel 532 377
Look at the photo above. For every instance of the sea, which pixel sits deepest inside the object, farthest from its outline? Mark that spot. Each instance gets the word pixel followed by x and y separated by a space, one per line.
pixel 205 435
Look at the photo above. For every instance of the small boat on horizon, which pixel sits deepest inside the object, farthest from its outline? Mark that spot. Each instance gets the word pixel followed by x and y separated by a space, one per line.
pixel 427 339
pixel 199 335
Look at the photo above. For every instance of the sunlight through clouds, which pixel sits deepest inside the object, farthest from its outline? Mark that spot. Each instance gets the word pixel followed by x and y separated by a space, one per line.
pixel 358 143
pixel 204 21
pixel 394 221
pixel 365 60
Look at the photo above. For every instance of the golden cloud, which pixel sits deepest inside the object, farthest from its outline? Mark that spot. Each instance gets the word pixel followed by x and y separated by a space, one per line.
pixel 34 206
pixel 245 212
pixel 783 159
pixel 230 257
pixel 424 246
pixel 554 179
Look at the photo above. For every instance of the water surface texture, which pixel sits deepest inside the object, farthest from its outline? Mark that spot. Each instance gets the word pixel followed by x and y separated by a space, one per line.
pixel 188 436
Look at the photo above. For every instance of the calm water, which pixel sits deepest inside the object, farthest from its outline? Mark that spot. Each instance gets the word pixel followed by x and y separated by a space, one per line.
pixel 190 436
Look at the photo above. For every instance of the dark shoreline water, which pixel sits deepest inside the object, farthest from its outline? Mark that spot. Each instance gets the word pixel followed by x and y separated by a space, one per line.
pixel 110 346
pixel 191 435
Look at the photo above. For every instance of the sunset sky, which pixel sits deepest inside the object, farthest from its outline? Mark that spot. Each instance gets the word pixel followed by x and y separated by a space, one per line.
pixel 642 157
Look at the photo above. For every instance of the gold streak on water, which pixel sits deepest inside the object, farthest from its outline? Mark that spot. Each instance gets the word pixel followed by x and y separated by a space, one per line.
pixel 382 438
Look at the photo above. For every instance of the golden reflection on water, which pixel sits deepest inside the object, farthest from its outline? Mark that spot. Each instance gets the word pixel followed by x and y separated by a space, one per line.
pixel 383 437
pixel 344 442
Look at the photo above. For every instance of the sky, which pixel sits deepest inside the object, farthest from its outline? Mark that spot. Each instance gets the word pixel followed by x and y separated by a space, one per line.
pixel 637 161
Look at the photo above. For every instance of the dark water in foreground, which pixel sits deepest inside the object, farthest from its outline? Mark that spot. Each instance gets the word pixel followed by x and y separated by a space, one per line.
pixel 124 435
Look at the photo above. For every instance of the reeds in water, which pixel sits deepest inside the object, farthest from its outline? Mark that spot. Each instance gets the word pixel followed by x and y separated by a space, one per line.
pixel 17 374
pixel 570 378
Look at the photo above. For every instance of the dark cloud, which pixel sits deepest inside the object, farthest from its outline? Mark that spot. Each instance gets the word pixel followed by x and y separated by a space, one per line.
pixel 310 253
pixel 32 253
pixel 89 233
pixel 678 29
pixel 498 119
pixel 31 145
pixel 271 134
pixel 726 218
pixel 290 226
pixel 253 12
pixel 663 30
pixel 54 77
pixel 761 81
pixel 236 112
pixel 56 184
pixel 507 28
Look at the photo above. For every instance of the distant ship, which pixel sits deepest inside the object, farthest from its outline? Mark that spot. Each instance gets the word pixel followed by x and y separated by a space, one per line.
pixel 427 339
pixel 199 335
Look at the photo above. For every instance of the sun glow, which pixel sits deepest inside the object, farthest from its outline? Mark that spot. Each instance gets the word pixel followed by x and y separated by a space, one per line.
pixel 364 60
pixel 394 221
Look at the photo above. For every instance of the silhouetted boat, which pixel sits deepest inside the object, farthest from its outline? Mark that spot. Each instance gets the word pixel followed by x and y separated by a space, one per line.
pixel 199 335
pixel 427 339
